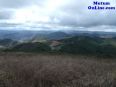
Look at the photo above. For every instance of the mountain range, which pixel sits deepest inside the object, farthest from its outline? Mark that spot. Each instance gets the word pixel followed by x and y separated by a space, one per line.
pixel 25 35
pixel 97 43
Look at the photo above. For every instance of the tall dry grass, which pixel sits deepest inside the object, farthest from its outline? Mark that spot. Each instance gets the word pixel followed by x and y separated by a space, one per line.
pixel 44 70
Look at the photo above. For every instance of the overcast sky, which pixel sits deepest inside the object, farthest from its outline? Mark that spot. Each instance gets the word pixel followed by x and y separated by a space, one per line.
pixel 56 14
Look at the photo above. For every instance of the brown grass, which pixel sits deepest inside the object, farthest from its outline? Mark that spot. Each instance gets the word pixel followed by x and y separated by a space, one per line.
pixel 40 70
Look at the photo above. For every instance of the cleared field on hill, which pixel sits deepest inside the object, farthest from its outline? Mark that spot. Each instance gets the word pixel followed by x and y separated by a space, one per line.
pixel 45 70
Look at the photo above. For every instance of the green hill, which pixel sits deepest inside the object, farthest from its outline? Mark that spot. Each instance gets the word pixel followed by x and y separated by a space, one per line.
pixel 31 47
pixel 83 45
pixel 88 46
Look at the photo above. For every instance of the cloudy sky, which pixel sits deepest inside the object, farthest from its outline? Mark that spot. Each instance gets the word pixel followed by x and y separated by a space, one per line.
pixel 56 14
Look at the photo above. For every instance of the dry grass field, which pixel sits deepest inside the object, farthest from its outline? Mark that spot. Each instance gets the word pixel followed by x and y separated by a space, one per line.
pixel 45 70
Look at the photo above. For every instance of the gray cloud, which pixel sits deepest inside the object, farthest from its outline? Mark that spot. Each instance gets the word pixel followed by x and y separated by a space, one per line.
pixel 18 3
pixel 73 13
pixel 6 14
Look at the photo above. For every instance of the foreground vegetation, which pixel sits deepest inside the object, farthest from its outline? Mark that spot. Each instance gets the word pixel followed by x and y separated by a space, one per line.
pixel 45 70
